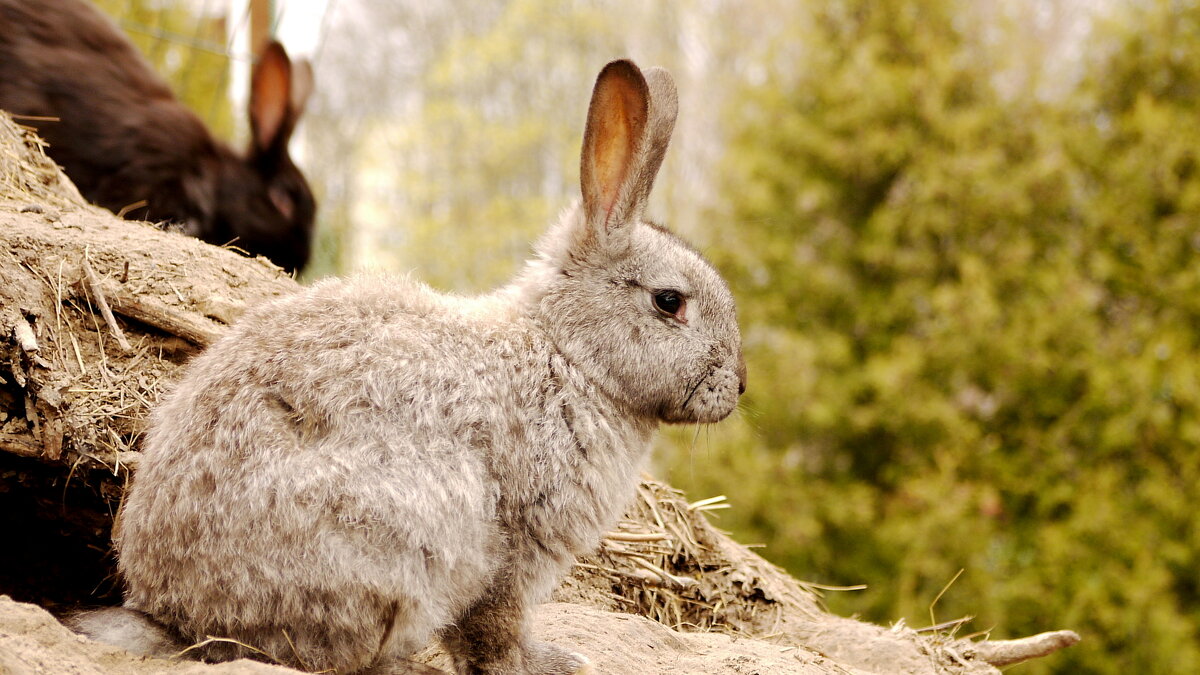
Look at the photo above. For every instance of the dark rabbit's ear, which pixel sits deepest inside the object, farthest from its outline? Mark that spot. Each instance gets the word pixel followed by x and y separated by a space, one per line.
pixel 302 87
pixel 278 92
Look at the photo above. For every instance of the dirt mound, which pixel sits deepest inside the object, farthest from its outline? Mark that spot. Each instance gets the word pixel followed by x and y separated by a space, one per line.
pixel 32 641
pixel 97 317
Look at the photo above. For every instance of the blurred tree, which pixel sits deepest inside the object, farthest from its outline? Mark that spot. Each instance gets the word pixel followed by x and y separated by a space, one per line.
pixel 467 133
pixel 469 136
pixel 971 325
pixel 494 150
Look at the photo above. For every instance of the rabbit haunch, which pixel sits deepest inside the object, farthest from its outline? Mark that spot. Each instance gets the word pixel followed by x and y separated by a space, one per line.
pixel 367 465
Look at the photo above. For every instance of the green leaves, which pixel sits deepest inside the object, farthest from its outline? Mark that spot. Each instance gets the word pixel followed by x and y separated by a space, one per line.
pixel 972 330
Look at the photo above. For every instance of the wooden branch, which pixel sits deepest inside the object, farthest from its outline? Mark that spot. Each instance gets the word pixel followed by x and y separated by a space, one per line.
pixel 51 430
pixel 1008 652
pixel 23 446
pixel 153 312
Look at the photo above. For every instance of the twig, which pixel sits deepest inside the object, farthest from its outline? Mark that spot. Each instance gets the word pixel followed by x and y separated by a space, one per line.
pixel 937 628
pixel 812 585
pixel 636 537
pixel 671 580
pixel 710 504
pixel 175 290
pixel 212 639
pixel 198 331
pixel 131 207
pixel 932 620
pixel 1008 652
pixel 78 355
pixel 23 446
pixel 97 295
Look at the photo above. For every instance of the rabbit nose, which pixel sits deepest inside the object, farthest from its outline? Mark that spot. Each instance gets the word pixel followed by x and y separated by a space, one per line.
pixel 741 373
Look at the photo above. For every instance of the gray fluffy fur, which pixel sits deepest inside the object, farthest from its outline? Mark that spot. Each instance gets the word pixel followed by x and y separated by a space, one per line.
pixel 367 465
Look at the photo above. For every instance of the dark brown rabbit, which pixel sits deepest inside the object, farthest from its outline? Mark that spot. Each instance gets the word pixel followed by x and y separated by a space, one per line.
pixel 132 147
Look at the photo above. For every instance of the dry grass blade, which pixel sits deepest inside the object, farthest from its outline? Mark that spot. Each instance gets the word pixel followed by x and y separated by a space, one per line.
pixel 26 173
pixel 932 619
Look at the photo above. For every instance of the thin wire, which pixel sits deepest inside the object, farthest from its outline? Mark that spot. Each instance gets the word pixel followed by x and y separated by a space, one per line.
pixel 200 41
pixel 219 95
pixel 166 36
pixel 241 25
pixel 188 71
pixel 156 49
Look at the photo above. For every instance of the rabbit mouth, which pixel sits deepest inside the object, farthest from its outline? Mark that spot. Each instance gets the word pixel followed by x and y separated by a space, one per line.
pixel 711 399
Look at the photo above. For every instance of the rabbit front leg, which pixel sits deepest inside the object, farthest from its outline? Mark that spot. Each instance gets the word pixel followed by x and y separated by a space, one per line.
pixel 492 638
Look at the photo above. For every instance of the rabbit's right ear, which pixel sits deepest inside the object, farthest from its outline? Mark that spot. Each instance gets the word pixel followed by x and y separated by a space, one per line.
pixel 629 125
pixel 612 141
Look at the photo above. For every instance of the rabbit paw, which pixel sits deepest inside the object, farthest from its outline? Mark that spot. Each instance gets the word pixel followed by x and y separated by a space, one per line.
pixel 542 658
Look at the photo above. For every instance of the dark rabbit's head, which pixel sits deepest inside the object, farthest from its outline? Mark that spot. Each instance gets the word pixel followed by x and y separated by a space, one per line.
pixel 130 146
pixel 259 202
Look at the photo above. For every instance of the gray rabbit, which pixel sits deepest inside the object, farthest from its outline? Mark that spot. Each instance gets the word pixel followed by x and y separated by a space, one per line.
pixel 368 465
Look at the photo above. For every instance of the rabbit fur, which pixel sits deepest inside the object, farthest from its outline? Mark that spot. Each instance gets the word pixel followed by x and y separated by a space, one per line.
pixel 367 465
pixel 131 147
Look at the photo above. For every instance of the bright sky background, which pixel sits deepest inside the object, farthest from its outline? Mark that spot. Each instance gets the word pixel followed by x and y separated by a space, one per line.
pixel 298 28
pixel 300 24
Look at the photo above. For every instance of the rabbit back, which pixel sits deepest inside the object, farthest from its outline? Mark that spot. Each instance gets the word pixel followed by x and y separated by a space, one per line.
pixel 130 146
pixel 286 507
pixel 326 471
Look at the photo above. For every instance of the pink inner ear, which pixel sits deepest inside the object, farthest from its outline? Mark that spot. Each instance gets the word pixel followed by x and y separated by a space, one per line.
pixel 269 97
pixel 613 153
pixel 616 120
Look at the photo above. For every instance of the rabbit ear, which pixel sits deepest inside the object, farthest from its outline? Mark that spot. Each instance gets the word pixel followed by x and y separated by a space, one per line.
pixel 277 94
pixel 629 126
pixel 302 87
pixel 612 143
pixel 664 108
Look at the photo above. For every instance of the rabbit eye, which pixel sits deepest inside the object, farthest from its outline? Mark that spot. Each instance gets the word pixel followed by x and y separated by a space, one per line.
pixel 668 302
pixel 282 201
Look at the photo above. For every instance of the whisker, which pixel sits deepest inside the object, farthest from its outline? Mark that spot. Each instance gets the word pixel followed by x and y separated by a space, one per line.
pixel 695 388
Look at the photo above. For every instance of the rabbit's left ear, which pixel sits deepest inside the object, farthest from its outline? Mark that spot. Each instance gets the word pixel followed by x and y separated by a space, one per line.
pixel 279 90
pixel 664 108
pixel 629 125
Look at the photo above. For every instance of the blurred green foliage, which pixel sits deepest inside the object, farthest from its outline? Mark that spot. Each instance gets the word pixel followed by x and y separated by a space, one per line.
pixel 972 321
pixel 187 49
